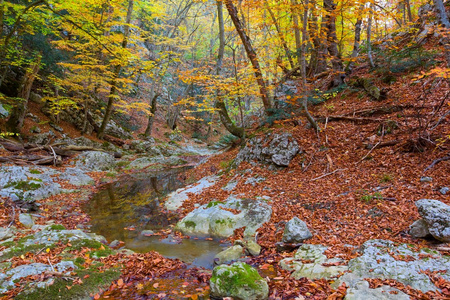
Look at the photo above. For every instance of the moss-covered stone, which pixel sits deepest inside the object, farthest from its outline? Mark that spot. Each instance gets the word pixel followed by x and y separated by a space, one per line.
pixel 92 282
pixel 240 281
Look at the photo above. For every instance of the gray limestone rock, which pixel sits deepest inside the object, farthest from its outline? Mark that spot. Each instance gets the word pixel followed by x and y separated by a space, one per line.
pixel 296 231
pixel 317 266
pixel 437 216
pixel 380 259
pixel 277 149
pixel 215 218
pixel 444 190
pixel 419 229
pixel 361 291
pixel 26 220
pixel 76 177
pixel 6 233
pixel 228 255
pixel 176 198
pixel 96 161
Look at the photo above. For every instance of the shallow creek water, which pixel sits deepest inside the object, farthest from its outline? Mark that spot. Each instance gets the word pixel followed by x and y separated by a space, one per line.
pixel 134 202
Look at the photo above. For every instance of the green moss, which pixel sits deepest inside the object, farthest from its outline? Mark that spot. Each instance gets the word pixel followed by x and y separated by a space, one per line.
pixel 102 252
pixel 92 282
pixel 123 163
pixel 79 261
pixel 85 243
pixel 213 203
pixel 19 250
pixel 24 185
pixel 57 227
pixel 34 171
pixel 239 274
pixel 190 224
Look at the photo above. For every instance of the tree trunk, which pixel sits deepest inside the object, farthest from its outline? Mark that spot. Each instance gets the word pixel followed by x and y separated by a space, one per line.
pixel 298 41
pixel 303 68
pixel 369 36
pixel 151 118
pixel 226 120
pixel 336 61
pixel 116 73
pixel 280 34
pixel 317 62
pixel 251 54
pixel 220 104
pixel 15 121
pixel 357 40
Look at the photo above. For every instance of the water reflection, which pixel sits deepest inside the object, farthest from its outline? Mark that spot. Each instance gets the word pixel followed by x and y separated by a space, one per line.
pixel 135 202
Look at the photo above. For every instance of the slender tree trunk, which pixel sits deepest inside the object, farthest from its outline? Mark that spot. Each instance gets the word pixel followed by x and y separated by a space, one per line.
pixel 336 61
pixel 116 73
pixel 369 36
pixel 2 12
pixel 408 8
pixel 303 68
pixel 357 40
pixel 15 121
pixel 251 54
pixel 439 4
pixel 280 34
pixel 317 62
pixel 298 41
pixel 151 117
pixel 220 104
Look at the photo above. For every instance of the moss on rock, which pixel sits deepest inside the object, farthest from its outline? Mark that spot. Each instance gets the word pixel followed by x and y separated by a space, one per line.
pixel 239 281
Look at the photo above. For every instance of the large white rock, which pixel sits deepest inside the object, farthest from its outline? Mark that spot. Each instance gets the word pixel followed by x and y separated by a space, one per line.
pixel 216 220
pixel 437 216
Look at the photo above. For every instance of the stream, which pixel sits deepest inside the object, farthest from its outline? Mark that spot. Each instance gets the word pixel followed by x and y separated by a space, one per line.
pixel 125 208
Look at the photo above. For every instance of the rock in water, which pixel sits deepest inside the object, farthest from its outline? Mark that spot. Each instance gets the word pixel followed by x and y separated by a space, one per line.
pixel 228 255
pixel 216 219
pixel 296 231
pixel 437 216
pixel 277 149
pixel 240 281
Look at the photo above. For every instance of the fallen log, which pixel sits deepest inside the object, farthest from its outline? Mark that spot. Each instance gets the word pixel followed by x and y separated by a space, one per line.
pixel 352 119
pixel 33 159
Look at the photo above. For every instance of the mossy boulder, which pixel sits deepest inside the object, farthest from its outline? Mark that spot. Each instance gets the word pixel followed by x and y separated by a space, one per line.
pixel 240 281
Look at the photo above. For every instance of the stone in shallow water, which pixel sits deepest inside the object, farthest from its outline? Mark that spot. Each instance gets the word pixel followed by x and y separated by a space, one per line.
pixel 216 219
pixel 176 199
pixel 228 255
